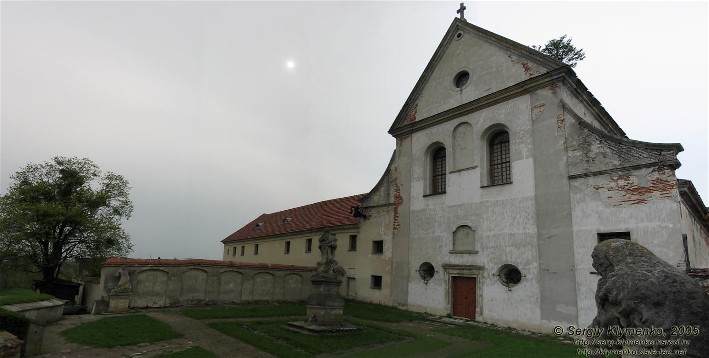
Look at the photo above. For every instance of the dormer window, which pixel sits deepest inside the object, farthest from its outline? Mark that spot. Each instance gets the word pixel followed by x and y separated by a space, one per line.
pixel 259 225
pixel 286 220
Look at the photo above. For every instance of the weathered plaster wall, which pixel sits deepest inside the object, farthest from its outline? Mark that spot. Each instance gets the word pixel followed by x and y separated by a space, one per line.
pixel 697 238
pixel 166 283
pixel 590 151
pixel 273 249
pixel 91 292
pixel 401 222
pixel 379 208
pixel 581 109
pixel 558 302
pixel 503 218
pixel 652 222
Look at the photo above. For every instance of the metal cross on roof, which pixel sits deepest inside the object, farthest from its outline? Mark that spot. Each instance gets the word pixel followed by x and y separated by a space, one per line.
pixel 461 11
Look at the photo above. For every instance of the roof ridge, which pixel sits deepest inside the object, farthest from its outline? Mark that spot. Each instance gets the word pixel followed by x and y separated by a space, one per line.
pixel 315 203
pixel 319 215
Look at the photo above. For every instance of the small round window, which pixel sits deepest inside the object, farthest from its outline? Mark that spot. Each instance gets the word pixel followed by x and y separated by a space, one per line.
pixel 461 79
pixel 459 35
pixel 509 275
pixel 426 271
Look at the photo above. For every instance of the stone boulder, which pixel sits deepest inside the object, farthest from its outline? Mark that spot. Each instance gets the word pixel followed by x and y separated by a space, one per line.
pixel 639 294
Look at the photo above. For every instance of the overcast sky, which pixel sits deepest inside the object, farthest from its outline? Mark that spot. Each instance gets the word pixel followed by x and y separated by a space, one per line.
pixel 195 105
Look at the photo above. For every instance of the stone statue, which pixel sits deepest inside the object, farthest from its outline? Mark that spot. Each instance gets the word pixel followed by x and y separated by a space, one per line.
pixel 123 281
pixel 639 290
pixel 327 245
pixel 324 304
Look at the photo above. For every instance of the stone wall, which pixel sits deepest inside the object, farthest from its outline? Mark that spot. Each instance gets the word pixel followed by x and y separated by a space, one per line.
pixel 40 315
pixel 10 346
pixel 168 283
pixel 91 292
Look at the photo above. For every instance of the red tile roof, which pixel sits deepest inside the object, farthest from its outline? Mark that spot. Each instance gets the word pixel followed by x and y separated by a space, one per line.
pixel 114 261
pixel 321 215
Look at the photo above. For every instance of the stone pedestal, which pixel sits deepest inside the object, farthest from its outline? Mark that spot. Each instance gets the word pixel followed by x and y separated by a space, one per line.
pixel 324 305
pixel 324 308
pixel 118 302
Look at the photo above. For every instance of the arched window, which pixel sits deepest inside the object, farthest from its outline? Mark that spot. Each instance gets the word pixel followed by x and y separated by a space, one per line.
pixel 500 159
pixel 438 171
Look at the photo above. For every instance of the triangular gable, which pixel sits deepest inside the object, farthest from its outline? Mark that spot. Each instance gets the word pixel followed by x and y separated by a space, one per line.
pixel 408 111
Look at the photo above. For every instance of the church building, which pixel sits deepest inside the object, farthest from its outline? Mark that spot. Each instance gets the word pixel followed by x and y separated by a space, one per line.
pixel 506 173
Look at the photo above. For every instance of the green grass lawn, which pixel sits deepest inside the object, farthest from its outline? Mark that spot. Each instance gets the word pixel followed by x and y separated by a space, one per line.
pixel 120 331
pixel 192 352
pixel 380 313
pixel 386 332
pixel 355 309
pixel 421 346
pixel 19 295
pixel 375 340
pixel 273 337
pixel 502 344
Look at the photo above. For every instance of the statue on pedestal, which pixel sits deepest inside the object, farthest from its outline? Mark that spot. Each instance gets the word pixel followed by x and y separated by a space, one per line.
pixel 324 304
pixel 327 245
pixel 124 285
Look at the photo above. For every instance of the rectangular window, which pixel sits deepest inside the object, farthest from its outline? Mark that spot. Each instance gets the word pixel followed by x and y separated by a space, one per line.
pixel 287 248
pixel 256 249
pixel 378 247
pixel 376 282
pixel 233 251
pixel 242 250
pixel 438 171
pixel 353 243
pixel 308 245
pixel 500 170
pixel 603 236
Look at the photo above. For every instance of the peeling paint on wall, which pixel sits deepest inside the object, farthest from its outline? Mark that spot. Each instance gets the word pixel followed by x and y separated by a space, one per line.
pixel 559 123
pixel 398 200
pixel 622 190
pixel 400 140
pixel 588 152
pixel 537 110
pixel 528 70
pixel 411 117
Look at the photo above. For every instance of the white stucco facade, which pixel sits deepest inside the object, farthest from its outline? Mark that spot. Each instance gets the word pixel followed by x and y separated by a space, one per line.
pixel 460 238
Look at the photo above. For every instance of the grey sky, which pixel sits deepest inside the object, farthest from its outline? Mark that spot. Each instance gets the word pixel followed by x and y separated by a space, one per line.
pixel 193 103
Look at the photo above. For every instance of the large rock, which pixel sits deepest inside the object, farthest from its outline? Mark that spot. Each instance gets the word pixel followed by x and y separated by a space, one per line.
pixel 639 290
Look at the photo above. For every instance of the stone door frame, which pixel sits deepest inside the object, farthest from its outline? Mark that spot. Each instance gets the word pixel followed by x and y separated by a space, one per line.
pixel 473 271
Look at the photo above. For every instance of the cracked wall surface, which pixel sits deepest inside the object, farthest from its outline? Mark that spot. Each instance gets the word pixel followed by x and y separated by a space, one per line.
pixel 590 152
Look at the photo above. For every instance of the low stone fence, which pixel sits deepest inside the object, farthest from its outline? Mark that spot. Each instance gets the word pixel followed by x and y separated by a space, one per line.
pixel 138 283
pixel 40 314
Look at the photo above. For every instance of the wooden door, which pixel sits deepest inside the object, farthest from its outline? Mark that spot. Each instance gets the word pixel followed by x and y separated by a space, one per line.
pixel 463 295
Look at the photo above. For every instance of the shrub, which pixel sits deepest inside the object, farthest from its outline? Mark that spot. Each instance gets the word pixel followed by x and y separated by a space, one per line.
pixel 14 323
